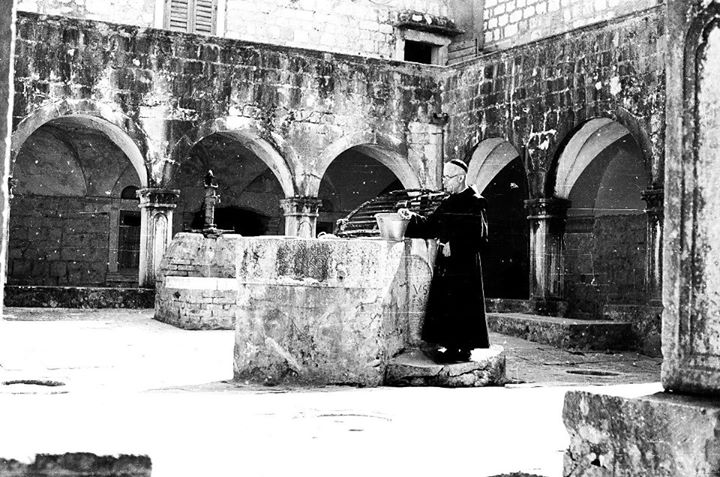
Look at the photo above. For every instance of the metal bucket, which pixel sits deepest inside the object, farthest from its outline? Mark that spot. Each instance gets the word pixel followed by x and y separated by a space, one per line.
pixel 391 225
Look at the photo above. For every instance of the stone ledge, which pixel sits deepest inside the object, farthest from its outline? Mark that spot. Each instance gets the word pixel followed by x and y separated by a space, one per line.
pixel 660 435
pixel 78 297
pixel 564 333
pixel 415 368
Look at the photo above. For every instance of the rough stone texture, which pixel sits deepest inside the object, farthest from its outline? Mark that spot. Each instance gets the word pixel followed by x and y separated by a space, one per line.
pixel 511 23
pixel 131 12
pixel 78 464
pixel 414 368
pixel 7 47
pixel 536 95
pixel 691 281
pixel 192 255
pixel 564 332
pixel 507 305
pixel 303 105
pixel 662 435
pixel 304 311
pixel 328 311
pixel 78 297
pixel 646 323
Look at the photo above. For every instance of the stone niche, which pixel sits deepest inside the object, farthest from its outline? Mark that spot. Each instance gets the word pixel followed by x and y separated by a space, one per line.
pixel 305 311
pixel 674 433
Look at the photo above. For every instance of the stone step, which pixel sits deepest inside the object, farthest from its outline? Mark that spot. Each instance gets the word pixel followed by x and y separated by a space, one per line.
pixel 565 333
pixel 415 368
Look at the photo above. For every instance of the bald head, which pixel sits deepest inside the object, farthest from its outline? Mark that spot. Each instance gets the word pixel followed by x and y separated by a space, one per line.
pixel 453 178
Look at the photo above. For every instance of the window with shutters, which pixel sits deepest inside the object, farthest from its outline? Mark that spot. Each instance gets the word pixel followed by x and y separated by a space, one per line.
pixel 191 16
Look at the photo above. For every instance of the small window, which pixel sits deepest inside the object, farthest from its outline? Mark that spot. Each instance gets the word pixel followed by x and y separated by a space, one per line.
pixel 191 16
pixel 130 192
pixel 419 52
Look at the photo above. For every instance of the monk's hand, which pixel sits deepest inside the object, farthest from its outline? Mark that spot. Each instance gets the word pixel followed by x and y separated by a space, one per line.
pixel 405 213
pixel 446 249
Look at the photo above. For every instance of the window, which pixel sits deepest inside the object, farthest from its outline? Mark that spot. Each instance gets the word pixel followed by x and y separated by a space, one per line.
pixel 130 192
pixel 191 16
pixel 419 52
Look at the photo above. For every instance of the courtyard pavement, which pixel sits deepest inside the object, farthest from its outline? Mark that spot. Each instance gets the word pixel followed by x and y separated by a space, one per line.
pixel 118 382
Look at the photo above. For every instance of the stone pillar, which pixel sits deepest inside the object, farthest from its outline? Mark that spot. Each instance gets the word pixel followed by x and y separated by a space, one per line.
pixel 673 433
pixel 7 55
pixel 301 215
pixel 155 229
pixel 547 229
pixel 653 258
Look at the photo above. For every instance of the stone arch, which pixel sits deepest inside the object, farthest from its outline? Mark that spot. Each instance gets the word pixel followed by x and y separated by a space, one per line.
pixel 269 148
pixel 489 158
pixel 120 129
pixel 581 149
pixel 387 150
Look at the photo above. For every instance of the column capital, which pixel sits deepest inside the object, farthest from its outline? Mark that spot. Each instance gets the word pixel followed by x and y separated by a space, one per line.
pixel 547 208
pixel 301 206
pixel 654 198
pixel 158 198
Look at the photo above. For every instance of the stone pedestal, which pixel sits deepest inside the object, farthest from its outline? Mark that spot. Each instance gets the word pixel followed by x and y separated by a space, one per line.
pixel 547 227
pixel 301 215
pixel 674 433
pixel 157 207
pixel 653 261
pixel 661 435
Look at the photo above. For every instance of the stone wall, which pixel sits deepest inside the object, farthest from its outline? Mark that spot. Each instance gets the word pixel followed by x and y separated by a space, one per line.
pixel 180 87
pixel 355 27
pixel 130 12
pixel 513 22
pixel 535 95
pixel 198 305
pixel 59 241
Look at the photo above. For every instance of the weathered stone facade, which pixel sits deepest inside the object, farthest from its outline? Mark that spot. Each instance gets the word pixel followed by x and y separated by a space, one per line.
pixel 295 121
pixel 673 433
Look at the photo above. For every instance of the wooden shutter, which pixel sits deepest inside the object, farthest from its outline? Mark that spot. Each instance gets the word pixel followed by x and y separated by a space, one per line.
pixel 205 15
pixel 191 16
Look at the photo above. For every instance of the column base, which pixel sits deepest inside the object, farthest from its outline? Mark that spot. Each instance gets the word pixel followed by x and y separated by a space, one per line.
pixel 660 435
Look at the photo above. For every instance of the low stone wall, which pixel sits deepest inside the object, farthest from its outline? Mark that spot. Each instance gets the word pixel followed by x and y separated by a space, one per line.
pixel 78 464
pixel 78 297
pixel 196 287
pixel 307 311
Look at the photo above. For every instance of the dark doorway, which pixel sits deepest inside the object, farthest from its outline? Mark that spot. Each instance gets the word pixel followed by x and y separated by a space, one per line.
pixel 129 241
pixel 241 221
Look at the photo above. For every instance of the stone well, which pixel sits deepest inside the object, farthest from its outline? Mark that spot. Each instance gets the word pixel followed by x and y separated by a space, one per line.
pixel 305 311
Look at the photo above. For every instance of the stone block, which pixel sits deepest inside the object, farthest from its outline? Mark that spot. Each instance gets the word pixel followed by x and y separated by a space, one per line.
pixel 414 368
pixel 661 435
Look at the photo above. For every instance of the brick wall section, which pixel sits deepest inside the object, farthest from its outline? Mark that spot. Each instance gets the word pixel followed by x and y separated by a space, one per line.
pixel 172 82
pixel 536 94
pixel 192 255
pixel 513 22
pixel 130 12
pixel 355 27
pixel 360 27
pixel 58 241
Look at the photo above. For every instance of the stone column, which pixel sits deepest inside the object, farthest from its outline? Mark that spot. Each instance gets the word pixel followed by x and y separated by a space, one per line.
pixel 301 215
pixel 653 259
pixel 547 229
pixel 155 229
pixel 7 54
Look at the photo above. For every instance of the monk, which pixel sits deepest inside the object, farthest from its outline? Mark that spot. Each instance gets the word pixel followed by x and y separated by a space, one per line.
pixel 455 319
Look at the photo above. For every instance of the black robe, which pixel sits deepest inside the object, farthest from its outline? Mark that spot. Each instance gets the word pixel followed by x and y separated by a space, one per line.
pixel 455 315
